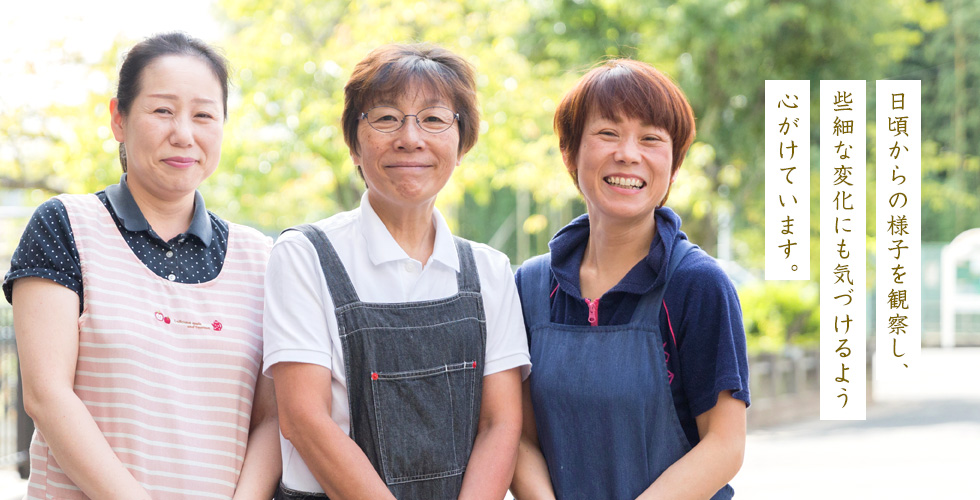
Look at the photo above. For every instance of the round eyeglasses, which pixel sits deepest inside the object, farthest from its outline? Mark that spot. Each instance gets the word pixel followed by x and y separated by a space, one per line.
pixel 386 119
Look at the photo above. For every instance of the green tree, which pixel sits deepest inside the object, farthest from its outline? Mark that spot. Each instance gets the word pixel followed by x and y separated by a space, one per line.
pixel 945 62
pixel 292 59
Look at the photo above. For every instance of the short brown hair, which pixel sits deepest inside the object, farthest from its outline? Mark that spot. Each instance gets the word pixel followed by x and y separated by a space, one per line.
pixel 624 88
pixel 388 70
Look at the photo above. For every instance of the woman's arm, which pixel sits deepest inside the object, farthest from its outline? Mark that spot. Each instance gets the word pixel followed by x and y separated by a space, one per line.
pixel 263 459
pixel 713 461
pixel 491 464
pixel 304 398
pixel 531 478
pixel 46 326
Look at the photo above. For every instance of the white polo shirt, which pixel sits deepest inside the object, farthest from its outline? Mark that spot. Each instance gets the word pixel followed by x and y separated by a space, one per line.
pixel 299 321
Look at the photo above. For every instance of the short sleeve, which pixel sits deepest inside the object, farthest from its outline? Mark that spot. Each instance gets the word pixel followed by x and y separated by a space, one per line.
pixel 712 337
pixel 520 297
pixel 506 335
pixel 46 250
pixel 297 303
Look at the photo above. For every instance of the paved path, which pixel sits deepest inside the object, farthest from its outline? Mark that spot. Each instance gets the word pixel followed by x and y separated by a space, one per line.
pixel 920 441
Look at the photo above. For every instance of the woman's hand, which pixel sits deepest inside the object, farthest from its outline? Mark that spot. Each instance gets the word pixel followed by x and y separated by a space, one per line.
pixel 713 462
pixel 46 325
pixel 531 479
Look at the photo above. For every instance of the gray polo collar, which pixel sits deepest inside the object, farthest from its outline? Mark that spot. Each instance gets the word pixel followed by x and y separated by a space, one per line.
pixel 132 218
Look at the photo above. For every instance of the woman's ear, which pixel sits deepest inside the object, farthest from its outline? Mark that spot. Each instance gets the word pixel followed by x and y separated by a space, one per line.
pixel 117 121
pixel 567 160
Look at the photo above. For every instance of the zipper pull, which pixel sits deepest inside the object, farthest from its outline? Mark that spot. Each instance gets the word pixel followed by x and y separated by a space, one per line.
pixel 593 311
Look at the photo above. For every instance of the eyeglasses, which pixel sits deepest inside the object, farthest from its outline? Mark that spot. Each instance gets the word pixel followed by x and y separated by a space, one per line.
pixel 386 119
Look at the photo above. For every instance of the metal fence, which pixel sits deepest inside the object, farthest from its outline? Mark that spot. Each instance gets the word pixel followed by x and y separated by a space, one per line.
pixel 785 387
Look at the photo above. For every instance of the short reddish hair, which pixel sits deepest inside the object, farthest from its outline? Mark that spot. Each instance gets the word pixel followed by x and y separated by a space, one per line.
pixel 389 70
pixel 623 88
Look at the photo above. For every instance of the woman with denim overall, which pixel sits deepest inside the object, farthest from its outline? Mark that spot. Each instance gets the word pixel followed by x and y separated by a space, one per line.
pixel 640 382
pixel 396 348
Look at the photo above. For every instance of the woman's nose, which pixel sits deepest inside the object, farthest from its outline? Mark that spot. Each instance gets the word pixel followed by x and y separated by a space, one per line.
pixel 181 133
pixel 409 136
pixel 627 152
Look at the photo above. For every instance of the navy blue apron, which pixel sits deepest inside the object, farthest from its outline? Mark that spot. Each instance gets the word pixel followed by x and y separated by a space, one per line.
pixel 602 402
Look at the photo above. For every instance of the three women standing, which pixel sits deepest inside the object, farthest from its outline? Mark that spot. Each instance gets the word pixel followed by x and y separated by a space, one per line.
pixel 396 348
pixel 138 312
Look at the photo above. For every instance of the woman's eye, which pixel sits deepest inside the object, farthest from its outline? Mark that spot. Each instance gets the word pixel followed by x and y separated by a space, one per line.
pixel 204 115
pixel 162 111
pixel 387 118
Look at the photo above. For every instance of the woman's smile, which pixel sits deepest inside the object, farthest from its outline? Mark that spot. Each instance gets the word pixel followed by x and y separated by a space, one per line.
pixel 180 161
pixel 625 182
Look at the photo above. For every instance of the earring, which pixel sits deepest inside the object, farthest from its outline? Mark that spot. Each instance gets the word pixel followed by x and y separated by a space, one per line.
pixel 122 156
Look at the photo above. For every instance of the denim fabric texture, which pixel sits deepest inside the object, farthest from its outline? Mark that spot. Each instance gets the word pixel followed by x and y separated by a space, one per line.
pixel 602 402
pixel 414 377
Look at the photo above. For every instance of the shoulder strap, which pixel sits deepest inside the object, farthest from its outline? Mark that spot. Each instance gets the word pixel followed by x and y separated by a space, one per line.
pixel 468 277
pixel 649 306
pixel 84 204
pixel 338 281
pixel 534 287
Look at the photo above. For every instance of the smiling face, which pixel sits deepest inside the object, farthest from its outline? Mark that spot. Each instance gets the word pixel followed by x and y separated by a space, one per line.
pixel 624 169
pixel 405 169
pixel 173 129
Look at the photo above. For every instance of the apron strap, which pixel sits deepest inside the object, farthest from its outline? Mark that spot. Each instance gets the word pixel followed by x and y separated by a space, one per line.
pixel 648 309
pixel 338 281
pixel 468 278
pixel 535 288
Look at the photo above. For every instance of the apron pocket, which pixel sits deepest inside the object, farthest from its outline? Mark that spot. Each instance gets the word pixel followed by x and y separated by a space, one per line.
pixel 423 420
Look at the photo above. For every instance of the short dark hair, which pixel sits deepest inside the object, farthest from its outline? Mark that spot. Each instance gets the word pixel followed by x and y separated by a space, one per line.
pixel 165 44
pixel 624 88
pixel 388 70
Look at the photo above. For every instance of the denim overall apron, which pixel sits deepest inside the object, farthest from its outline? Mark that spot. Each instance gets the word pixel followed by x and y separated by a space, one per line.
pixel 602 401
pixel 414 378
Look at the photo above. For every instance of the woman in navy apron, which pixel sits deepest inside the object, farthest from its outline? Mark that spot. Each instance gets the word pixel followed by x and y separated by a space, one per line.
pixel 397 349
pixel 640 381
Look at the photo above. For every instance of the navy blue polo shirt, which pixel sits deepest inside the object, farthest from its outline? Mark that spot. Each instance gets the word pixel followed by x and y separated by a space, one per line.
pixel 47 248
pixel 709 354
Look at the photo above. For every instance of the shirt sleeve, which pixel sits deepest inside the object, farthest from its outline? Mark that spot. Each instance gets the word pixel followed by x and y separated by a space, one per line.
pixel 297 305
pixel 712 350
pixel 520 297
pixel 46 250
pixel 506 335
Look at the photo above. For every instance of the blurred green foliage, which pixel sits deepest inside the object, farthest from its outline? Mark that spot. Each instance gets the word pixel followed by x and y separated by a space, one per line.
pixel 777 313
pixel 285 161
